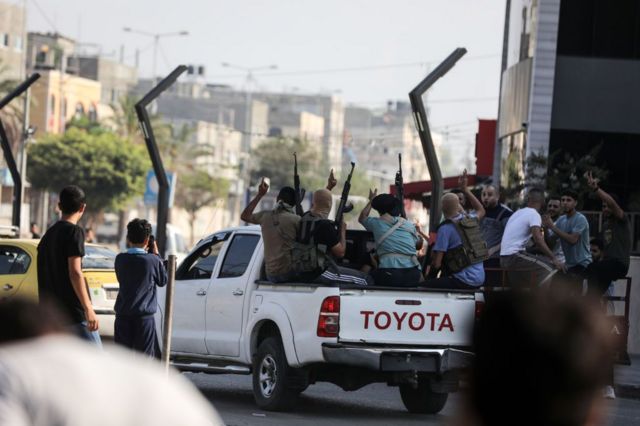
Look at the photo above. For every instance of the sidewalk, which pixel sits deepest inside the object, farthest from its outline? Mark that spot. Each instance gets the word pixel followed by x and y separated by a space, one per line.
pixel 627 379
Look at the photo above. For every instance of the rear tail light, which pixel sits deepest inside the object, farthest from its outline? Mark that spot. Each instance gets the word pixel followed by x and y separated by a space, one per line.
pixel 329 318
pixel 479 309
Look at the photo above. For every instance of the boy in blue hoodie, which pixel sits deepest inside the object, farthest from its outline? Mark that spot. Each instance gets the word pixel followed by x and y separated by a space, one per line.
pixel 139 270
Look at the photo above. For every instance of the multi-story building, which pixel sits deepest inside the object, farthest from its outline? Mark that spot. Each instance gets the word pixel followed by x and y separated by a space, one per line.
pixel 329 107
pixel 219 154
pixel 374 140
pixel 59 94
pixel 116 78
pixel 58 97
pixel 570 81
pixel 12 41
pixel 302 125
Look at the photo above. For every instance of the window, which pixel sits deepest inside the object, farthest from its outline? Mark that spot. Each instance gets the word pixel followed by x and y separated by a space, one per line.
pixel 79 111
pixel 18 43
pixel 4 40
pixel 238 255
pixel 13 260
pixel 97 257
pixel 200 264
pixel 93 113
pixel 52 104
pixel 599 28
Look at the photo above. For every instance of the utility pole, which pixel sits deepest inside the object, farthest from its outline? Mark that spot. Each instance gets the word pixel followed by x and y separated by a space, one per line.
pixel 156 42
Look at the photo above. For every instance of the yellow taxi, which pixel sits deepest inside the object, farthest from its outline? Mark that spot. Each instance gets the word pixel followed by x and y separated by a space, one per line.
pixel 19 276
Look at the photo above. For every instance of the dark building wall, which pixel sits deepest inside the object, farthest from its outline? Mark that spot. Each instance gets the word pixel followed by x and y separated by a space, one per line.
pixel 619 154
pixel 597 94
pixel 600 28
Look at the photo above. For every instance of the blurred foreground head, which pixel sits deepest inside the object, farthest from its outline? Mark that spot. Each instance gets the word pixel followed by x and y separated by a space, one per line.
pixel 541 359
pixel 25 319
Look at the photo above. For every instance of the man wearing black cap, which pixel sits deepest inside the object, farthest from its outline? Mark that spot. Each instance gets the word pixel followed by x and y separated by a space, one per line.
pixel 279 228
pixel 396 242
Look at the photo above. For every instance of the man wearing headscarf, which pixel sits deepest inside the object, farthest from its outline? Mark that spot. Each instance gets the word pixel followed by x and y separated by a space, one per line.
pixel 396 242
pixel 279 228
pixel 317 230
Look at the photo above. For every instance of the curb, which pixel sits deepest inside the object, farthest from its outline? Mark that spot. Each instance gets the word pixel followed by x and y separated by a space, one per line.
pixel 628 391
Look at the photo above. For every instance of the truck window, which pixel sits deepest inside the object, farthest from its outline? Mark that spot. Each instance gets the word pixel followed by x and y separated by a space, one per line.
pixel 238 255
pixel 200 264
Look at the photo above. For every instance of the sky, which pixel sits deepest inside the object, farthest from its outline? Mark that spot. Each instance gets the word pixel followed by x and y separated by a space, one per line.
pixel 366 52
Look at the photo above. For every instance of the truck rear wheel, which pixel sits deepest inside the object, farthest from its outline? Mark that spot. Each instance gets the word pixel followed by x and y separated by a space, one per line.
pixel 422 400
pixel 272 376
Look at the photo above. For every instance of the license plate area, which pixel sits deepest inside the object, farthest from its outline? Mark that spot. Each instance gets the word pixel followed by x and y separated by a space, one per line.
pixel 398 361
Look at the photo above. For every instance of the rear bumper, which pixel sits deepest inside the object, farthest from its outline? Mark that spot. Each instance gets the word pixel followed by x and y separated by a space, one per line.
pixel 395 359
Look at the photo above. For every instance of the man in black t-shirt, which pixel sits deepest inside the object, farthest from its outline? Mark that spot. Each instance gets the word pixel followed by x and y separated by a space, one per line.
pixel 331 243
pixel 60 277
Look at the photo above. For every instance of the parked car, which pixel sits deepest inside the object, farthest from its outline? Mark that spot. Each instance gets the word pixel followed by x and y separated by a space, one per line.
pixel 19 276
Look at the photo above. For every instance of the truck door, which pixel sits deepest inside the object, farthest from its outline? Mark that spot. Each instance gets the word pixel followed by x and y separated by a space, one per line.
pixel 193 280
pixel 225 299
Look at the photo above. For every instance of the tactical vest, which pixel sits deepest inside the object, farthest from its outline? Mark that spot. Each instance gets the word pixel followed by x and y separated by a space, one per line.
pixel 473 249
pixel 308 258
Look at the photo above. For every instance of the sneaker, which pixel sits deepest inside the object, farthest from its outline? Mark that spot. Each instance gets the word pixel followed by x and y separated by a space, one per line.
pixel 608 392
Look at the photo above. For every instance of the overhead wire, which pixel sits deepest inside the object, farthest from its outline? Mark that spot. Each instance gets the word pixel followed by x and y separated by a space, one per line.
pixel 45 16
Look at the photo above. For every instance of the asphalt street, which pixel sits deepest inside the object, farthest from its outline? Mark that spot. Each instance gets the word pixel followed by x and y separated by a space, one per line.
pixel 326 404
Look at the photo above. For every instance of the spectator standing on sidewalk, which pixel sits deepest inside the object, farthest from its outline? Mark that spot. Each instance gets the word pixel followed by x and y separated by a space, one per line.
pixel 617 242
pixel 573 229
pixel 139 270
pixel 60 278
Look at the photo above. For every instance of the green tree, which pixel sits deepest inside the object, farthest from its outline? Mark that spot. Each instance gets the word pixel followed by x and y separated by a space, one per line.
pixel 567 171
pixel 273 158
pixel 560 171
pixel 110 169
pixel 197 189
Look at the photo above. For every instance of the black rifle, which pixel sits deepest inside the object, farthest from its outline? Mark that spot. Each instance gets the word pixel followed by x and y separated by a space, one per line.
pixel 400 186
pixel 344 197
pixel 296 186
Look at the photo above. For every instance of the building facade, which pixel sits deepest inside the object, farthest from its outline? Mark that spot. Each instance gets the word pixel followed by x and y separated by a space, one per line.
pixel 570 83
pixel 373 141
pixel 12 41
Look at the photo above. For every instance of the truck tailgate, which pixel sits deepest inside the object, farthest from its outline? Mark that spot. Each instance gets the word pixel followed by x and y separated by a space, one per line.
pixel 406 318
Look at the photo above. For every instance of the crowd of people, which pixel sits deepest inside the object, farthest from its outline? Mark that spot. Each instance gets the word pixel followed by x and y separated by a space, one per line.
pixel 478 242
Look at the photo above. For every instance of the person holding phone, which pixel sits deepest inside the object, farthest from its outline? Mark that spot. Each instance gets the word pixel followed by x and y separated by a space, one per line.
pixel 139 271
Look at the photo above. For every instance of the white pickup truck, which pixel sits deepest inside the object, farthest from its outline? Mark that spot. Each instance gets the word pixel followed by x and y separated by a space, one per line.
pixel 228 319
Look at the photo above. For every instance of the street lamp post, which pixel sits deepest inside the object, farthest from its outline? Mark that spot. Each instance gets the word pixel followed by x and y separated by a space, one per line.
pixel 156 41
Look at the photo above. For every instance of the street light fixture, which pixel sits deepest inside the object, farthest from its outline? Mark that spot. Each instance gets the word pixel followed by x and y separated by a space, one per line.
pixel 156 40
